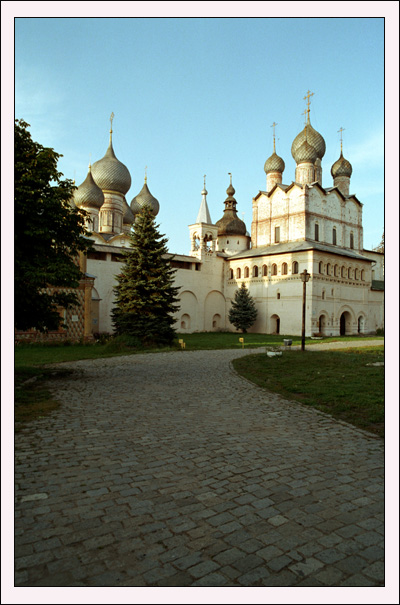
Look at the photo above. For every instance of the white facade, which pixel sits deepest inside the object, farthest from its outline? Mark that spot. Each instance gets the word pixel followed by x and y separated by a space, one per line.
pixel 294 227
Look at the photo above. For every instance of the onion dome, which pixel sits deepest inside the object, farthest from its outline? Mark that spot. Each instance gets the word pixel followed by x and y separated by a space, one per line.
pixel 88 194
pixel 313 138
pixel 110 174
pixel 129 217
pixel 341 167
pixel 274 164
pixel 306 153
pixel 145 198
pixel 230 223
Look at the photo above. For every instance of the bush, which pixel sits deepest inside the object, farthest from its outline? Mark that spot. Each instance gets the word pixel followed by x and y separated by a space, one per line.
pixel 102 337
pixel 122 342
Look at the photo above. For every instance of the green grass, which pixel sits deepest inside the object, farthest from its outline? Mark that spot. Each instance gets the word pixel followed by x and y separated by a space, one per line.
pixel 339 383
pixel 31 359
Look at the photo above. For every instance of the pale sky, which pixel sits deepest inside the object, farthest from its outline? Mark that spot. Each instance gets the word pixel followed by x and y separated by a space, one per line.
pixel 197 96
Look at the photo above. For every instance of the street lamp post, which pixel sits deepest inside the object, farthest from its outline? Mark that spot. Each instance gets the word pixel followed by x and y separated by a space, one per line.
pixel 304 278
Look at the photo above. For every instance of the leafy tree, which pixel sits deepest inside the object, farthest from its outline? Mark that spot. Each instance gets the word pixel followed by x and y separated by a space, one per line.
pixel 381 246
pixel 49 234
pixel 243 312
pixel 145 296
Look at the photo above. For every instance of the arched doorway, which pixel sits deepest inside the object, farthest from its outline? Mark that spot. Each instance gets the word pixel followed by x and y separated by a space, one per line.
pixel 275 324
pixel 185 322
pixel 322 324
pixel 360 325
pixel 345 323
pixel 216 324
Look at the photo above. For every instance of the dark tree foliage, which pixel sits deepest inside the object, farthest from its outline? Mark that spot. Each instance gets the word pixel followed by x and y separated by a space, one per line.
pixel 243 312
pixel 49 234
pixel 381 246
pixel 145 295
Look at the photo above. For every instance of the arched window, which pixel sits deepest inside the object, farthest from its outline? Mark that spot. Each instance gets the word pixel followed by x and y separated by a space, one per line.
pixel 265 270
pixel 316 234
pixel 352 241
pixel 277 235
pixel 230 273
pixel 255 271
pixel 284 269
pixel 321 267
pixel 274 270
pixel 238 273
pixel 356 274
pixel 323 294
pixel 278 295
pixel 246 272
pixel 334 236
pixel 362 275
pixel 295 267
pixel 328 269
pixel 349 273
pixel 336 270
pixel 343 272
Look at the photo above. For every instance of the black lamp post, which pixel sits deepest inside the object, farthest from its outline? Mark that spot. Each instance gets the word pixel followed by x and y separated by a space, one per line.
pixel 304 278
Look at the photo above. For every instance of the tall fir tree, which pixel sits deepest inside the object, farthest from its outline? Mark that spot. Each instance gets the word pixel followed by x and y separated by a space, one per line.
pixel 243 312
pixel 146 298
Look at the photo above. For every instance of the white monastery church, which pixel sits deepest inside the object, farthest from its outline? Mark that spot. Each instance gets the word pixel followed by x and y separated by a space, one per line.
pixel 302 225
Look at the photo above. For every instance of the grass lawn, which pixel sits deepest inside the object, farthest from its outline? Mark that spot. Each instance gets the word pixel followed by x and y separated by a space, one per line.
pixel 32 398
pixel 340 383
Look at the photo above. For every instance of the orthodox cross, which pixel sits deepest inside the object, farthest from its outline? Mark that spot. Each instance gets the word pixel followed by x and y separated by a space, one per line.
pixel 145 174
pixel 273 126
pixel 230 175
pixel 341 138
pixel 205 181
pixel 111 120
pixel 308 96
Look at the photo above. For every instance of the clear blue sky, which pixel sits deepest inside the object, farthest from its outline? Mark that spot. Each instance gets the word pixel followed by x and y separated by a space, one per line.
pixel 194 96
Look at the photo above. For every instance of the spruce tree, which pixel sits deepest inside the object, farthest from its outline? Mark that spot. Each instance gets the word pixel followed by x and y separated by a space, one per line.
pixel 243 312
pixel 145 295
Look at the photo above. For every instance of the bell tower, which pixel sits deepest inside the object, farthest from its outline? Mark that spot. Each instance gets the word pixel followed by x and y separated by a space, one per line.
pixel 203 233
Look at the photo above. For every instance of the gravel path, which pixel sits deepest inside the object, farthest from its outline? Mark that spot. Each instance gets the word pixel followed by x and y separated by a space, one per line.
pixel 170 470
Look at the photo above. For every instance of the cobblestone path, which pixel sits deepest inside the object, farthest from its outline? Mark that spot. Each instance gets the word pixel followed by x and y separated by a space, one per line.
pixel 170 470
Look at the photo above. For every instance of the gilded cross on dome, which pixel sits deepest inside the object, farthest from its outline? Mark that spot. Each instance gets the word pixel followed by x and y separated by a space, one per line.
pixel 273 126
pixel 111 120
pixel 308 96
pixel 341 138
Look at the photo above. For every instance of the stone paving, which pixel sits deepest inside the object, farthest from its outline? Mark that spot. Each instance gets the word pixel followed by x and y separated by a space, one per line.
pixel 170 470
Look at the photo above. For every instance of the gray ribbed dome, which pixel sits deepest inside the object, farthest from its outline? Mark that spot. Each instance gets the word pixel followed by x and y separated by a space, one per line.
pixel 305 153
pixel 129 217
pixel 313 137
pixel 88 194
pixel 145 198
pixel 110 174
pixel 341 167
pixel 274 164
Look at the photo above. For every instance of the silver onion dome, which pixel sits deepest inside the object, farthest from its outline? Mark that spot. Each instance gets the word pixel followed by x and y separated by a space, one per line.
pixel 88 194
pixel 313 137
pixel 129 217
pixel 274 164
pixel 305 153
pixel 145 198
pixel 341 167
pixel 110 174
